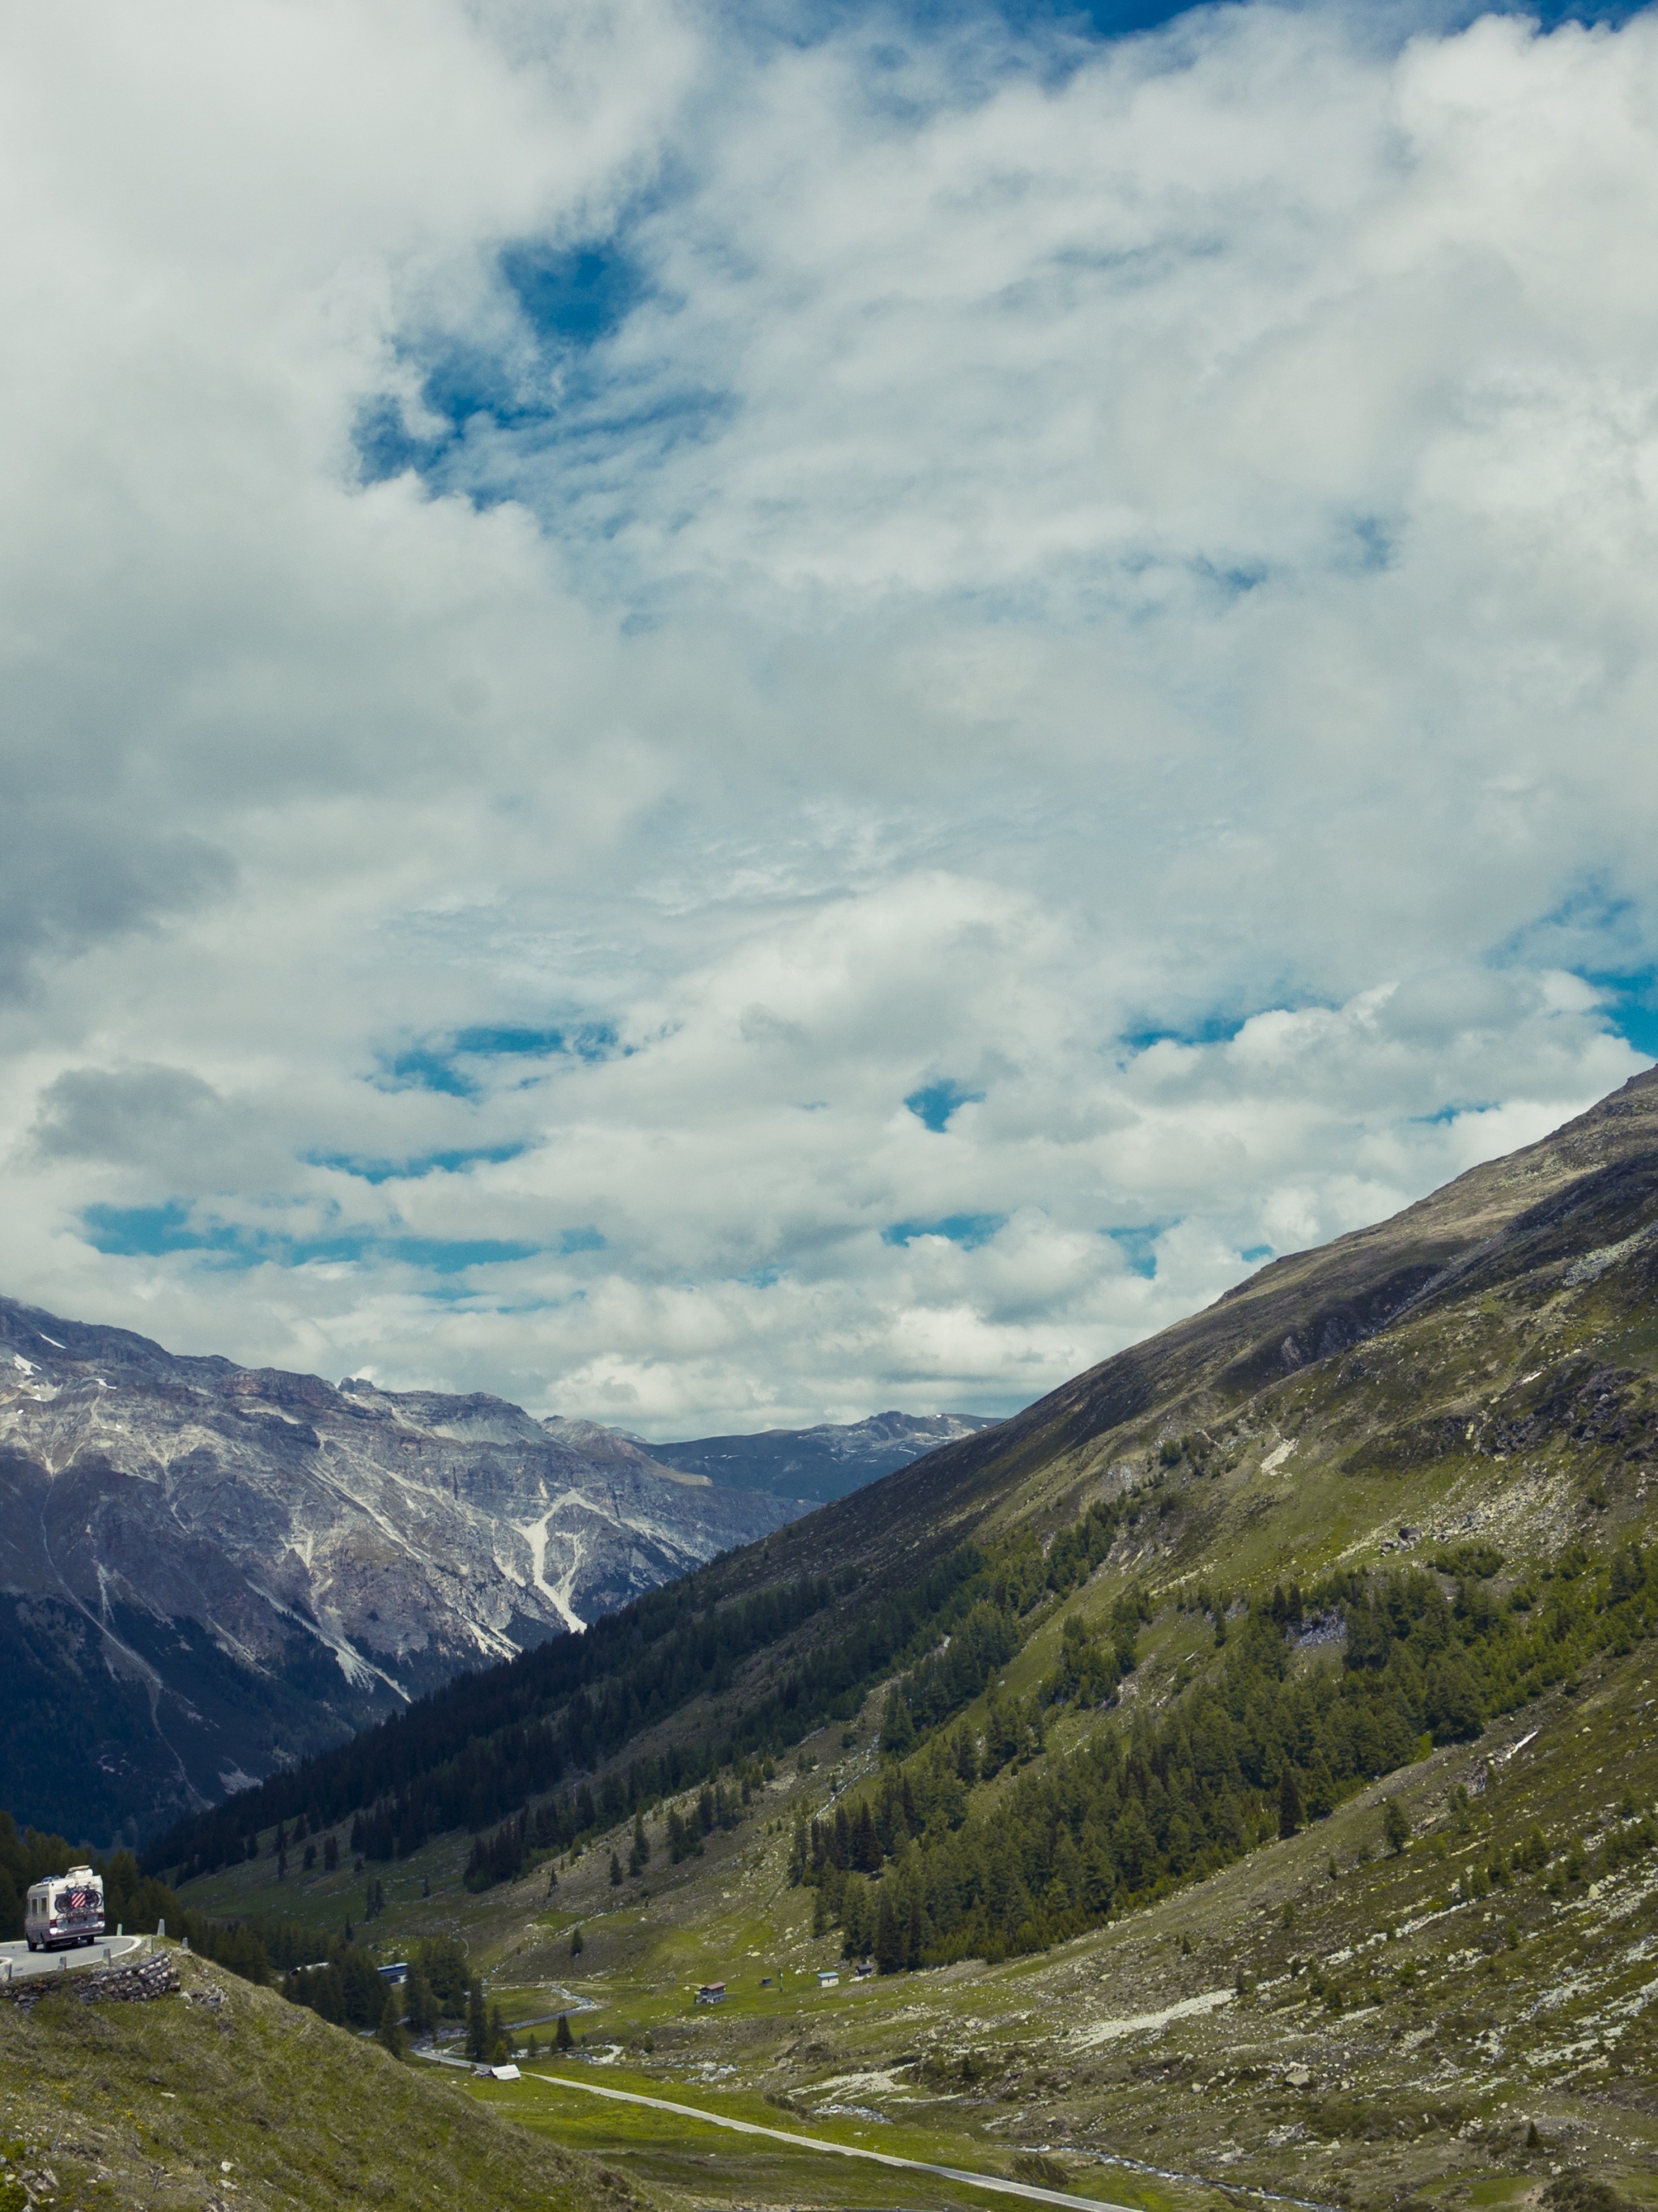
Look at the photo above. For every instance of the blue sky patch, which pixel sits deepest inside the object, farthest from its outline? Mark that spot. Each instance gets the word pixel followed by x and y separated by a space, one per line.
pixel 1203 1029
pixel 145 1232
pixel 969 1231
pixel 1631 1001
pixel 1441 1115
pixel 1138 1244
pixel 934 1103
pixel 1253 1254
pixel 588 1041
pixel 411 1171
pixel 422 1069
pixel 1119 19
pixel 572 296
pixel 436 1064
pixel 149 1231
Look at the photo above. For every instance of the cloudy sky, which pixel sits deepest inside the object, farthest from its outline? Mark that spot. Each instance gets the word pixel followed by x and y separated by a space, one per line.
pixel 722 716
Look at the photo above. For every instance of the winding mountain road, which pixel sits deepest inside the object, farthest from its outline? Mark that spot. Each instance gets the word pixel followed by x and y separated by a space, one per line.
pixel 995 2182
pixel 18 1962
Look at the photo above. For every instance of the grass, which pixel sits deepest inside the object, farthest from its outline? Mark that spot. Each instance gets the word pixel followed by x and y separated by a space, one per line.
pixel 1356 2066
pixel 668 2155
pixel 225 2095
pixel 1214 2098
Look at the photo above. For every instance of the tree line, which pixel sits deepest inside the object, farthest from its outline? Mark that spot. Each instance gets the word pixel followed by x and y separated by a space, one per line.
pixel 919 1871
pixel 954 1628
pixel 488 1745
pixel 486 1742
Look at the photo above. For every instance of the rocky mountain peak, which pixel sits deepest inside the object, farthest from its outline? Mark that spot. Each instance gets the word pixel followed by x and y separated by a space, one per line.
pixel 207 1569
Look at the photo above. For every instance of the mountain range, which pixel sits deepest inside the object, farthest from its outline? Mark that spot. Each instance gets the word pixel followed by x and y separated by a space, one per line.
pixel 823 1463
pixel 1238 1765
pixel 209 1569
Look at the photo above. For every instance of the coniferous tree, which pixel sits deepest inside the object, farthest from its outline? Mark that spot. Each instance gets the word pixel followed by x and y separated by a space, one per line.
pixel 865 1844
pixel 420 2001
pixel 577 1947
pixel 1289 1803
pixel 889 1943
pixel 478 2024
pixel 897 1724
pixel 563 2039
pixel 616 1871
pixel 389 2032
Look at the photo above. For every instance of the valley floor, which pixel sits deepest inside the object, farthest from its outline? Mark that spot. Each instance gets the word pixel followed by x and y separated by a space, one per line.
pixel 1322 2022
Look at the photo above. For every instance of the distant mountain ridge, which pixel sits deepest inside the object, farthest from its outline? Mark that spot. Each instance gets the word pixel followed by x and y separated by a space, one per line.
pixel 1445 1375
pixel 823 1462
pixel 1358 1917
pixel 207 1571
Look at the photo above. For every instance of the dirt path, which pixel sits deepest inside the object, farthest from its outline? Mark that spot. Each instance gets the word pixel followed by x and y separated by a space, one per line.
pixel 992 2181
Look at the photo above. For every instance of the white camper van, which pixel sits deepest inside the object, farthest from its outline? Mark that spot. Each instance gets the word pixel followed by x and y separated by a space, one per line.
pixel 65 1908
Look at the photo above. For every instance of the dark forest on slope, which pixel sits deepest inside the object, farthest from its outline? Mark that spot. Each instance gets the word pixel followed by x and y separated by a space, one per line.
pixel 1461 1345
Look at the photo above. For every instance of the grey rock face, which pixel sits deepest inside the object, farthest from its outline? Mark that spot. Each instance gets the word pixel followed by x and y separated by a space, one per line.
pixel 208 1569
pixel 822 1463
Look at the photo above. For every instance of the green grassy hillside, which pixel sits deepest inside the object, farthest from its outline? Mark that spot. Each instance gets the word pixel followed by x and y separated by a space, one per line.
pixel 223 2095
pixel 1241 1766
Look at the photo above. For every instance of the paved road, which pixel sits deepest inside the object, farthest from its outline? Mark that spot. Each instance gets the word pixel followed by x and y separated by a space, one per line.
pixel 992 2181
pixel 17 1961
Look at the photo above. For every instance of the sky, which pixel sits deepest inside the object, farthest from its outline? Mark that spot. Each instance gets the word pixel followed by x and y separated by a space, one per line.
pixel 720 716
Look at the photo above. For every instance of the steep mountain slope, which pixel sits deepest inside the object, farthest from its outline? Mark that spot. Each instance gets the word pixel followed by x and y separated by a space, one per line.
pixel 1239 1766
pixel 1451 1369
pixel 207 1569
pixel 823 1463
pixel 1489 1294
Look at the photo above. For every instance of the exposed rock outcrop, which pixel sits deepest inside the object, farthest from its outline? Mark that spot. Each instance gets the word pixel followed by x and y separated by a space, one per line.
pixel 207 1569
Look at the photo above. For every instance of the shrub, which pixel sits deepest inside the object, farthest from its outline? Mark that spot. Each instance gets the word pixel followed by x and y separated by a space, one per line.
pixel 1577 2191
pixel 1034 2166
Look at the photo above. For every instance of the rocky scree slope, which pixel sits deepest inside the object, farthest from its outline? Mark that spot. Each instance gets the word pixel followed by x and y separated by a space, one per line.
pixel 209 1569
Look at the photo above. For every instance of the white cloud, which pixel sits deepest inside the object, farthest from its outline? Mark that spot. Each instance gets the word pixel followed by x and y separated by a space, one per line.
pixel 1053 546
